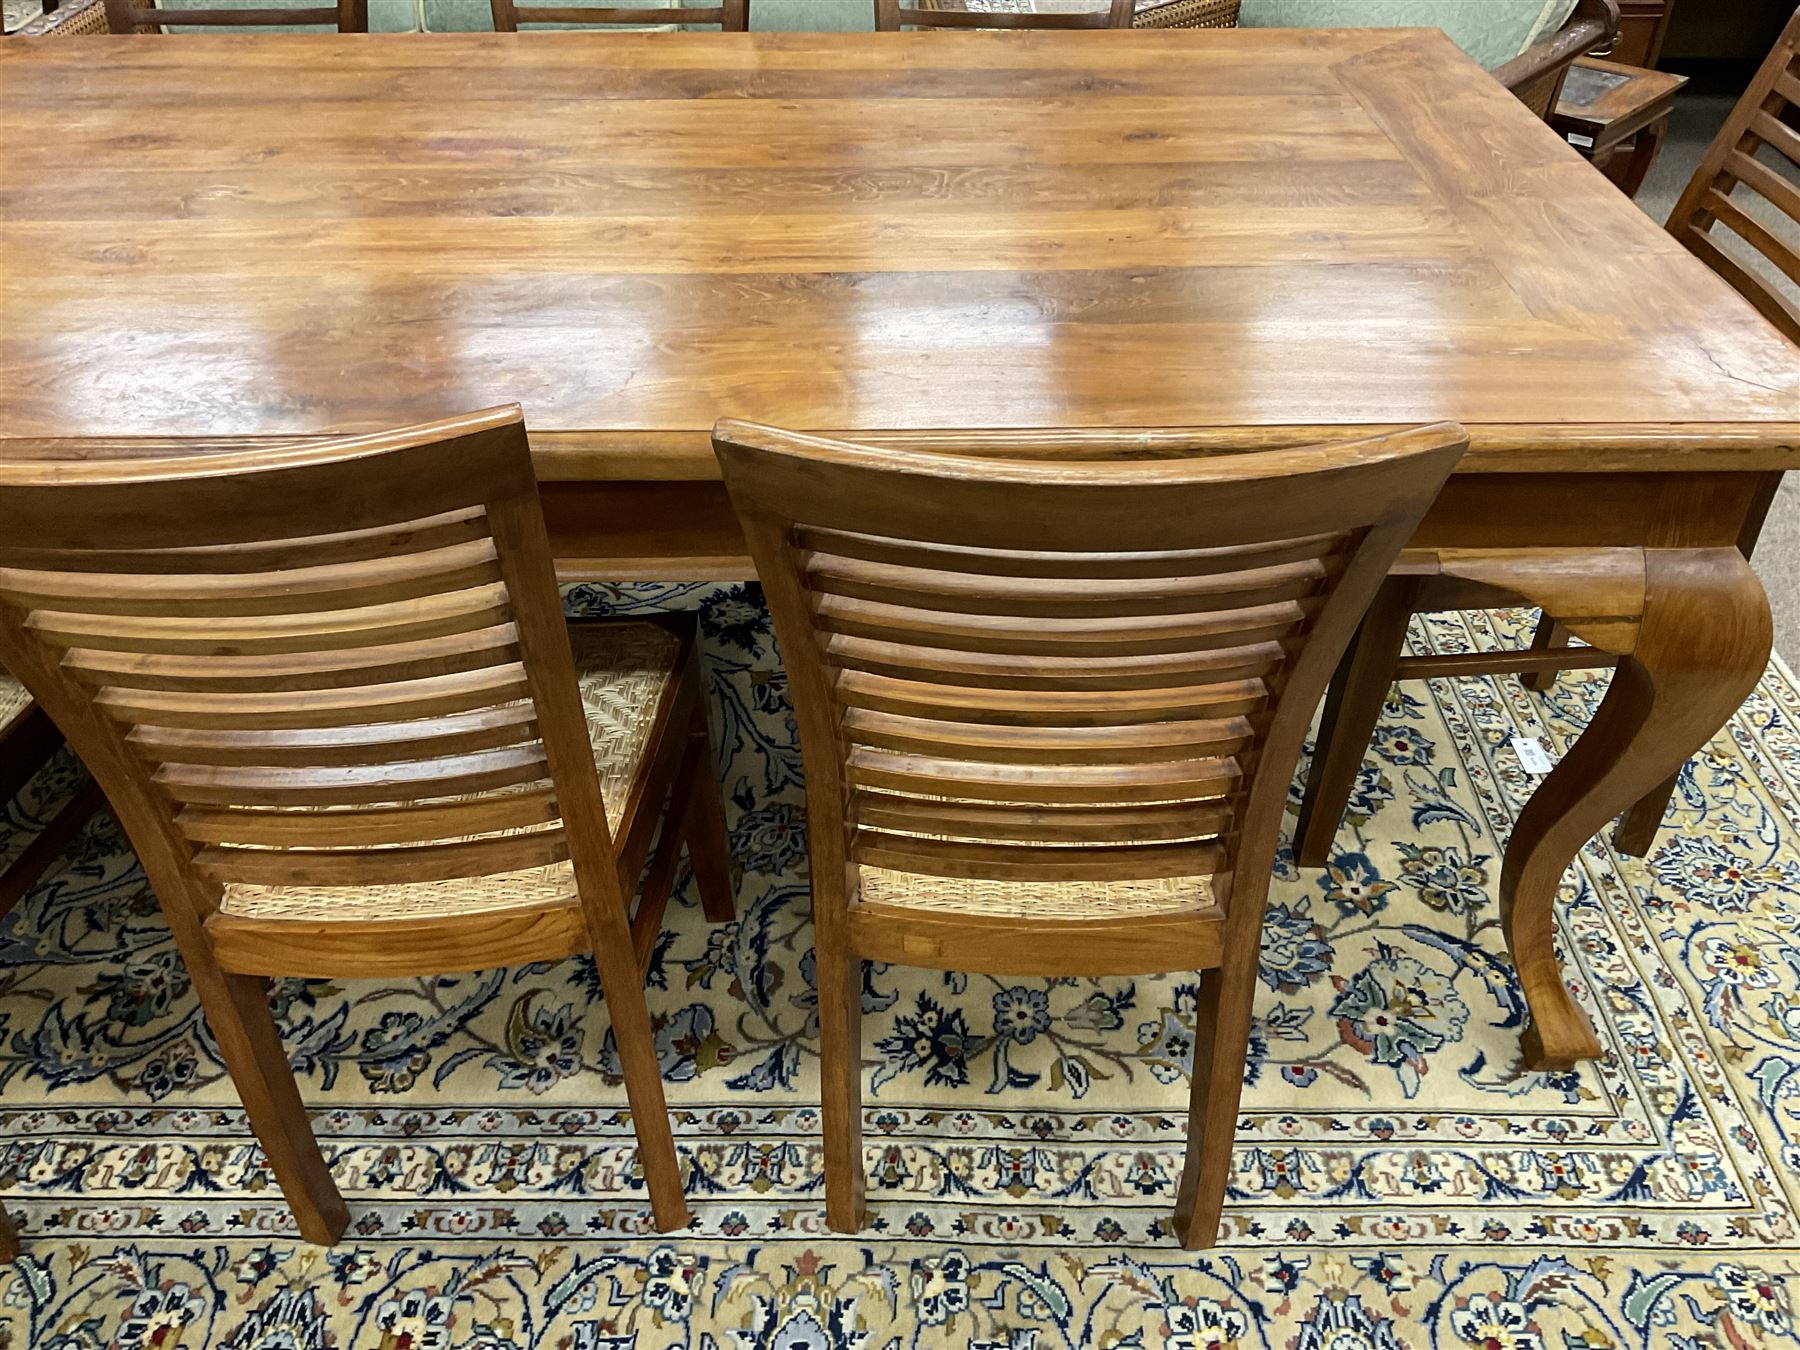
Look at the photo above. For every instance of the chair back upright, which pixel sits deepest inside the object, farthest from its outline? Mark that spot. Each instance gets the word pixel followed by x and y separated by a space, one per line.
pixel 1751 170
pixel 343 664
pixel 893 15
pixel 732 16
pixel 126 16
pixel 1012 668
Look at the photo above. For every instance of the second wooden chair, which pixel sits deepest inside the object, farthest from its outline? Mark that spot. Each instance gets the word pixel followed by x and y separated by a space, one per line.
pixel 330 695
pixel 1049 711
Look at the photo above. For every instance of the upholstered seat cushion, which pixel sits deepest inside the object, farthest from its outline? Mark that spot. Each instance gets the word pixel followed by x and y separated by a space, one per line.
pixel 1033 899
pixel 624 670
pixel 1491 31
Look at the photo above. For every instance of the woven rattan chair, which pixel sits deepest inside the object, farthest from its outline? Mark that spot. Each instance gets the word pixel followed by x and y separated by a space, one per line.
pixel 732 16
pixel 71 20
pixel 1536 76
pixel 1722 217
pixel 332 699
pixel 1186 14
pixel 1049 711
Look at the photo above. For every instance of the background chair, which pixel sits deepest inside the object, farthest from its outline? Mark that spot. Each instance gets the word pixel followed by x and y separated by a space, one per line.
pixel 1536 75
pixel 330 694
pixel 1186 14
pixel 1049 712
pixel 893 15
pixel 732 16
pixel 125 16
pixel 1723 218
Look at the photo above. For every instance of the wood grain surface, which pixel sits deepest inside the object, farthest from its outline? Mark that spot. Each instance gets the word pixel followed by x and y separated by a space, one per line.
pixel 634 234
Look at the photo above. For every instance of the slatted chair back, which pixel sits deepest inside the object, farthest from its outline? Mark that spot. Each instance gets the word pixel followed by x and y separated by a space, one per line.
pixel 1091 671
pixel 893 15
pixel 347 16
pixel 732 16
pixel 1753 167
pixel 338 665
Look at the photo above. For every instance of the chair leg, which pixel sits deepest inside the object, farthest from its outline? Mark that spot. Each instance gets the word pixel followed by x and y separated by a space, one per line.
pixel 42 852
pixel 9 1238
pixel 237 1010
pixel 1352 707
pixel 1635 834
pixel 1548 636
pixel 1221 1048
pixel 621 981
pixel 709 853
pixel 840 1072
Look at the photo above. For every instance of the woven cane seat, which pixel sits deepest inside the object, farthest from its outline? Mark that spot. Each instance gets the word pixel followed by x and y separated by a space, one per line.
pixel 624 671
pixel 1033 899
pixel 14 699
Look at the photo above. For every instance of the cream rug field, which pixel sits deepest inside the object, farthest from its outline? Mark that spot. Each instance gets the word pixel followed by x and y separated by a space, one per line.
pixel 1400 1180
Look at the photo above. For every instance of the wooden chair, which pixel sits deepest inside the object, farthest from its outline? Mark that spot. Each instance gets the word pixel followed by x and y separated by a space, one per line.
pixel 75 19
pixel 27 741
pixel 1186 14
pixel 732 16
pixel 1049 711
pixel 125 16
pixel 1536 76
pixel 1731 171
pixel 1746 253
pixel 893 15
pixel 331 696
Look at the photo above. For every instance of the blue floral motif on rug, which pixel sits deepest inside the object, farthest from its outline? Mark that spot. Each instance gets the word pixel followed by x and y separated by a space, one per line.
pixel 1399 1179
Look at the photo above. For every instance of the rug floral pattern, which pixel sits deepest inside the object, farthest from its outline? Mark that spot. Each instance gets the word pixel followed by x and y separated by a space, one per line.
pixel 1400 1179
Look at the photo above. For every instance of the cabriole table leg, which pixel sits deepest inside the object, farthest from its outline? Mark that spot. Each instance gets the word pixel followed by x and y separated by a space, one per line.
pixel 1702 645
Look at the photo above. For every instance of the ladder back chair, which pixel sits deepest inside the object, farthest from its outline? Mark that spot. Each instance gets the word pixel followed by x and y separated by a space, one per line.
pixel 1756 155
pixel 1049 711
pixel 732 16
pixel 893 15
pixel 125 16
pixel 1716 220
pixel 331 696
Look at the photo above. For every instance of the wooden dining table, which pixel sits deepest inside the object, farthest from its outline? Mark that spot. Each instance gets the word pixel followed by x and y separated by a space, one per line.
pixel 1275 236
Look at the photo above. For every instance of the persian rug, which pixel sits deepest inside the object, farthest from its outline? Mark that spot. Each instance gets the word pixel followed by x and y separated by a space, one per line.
pixel 1400 1179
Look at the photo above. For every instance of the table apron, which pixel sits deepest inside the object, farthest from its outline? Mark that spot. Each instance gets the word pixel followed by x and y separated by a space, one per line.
pixel 685 530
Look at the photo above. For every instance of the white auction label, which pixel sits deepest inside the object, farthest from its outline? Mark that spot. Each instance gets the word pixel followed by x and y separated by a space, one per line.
pixel 1532 755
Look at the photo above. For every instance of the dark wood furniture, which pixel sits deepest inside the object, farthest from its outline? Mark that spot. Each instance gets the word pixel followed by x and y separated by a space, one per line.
pixel 1711 222
pixel 124 16
pixel 1536 76
pixel 893 15
pixel 1050 713
pixel 1617 116
pixel 1275 238
pixel 1642 26
pixel 732 16
pixel 331 697
pixel 27 741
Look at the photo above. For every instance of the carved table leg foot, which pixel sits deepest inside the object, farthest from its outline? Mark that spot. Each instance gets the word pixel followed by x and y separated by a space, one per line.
pixel 1702 645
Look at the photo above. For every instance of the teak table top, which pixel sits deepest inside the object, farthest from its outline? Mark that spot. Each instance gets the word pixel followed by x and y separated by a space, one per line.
pixel 634 234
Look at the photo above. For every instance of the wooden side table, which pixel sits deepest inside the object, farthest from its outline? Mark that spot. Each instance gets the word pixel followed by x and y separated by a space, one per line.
pixel 1617 116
